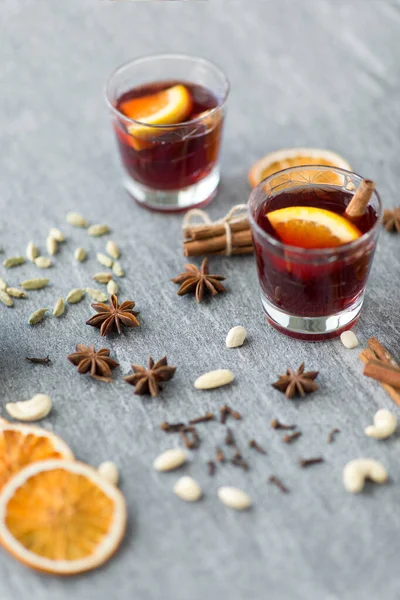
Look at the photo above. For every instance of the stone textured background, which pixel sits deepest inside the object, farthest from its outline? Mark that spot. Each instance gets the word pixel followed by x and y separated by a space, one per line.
pixel 319 72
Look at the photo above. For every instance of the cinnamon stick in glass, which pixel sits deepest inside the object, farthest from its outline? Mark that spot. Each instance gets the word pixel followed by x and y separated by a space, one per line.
pixel 360 200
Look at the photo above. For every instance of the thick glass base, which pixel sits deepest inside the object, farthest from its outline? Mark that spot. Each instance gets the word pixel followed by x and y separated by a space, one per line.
pixel 196 195
pixel 311 329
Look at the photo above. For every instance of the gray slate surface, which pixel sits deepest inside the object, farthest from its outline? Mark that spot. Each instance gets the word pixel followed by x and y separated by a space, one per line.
pixel 321 73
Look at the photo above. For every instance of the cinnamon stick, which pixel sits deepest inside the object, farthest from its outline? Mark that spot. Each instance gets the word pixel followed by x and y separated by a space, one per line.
pixel 360 200
pixel 217 243
pixel 203 232
pixel 366 356
pixel 392 392
pixel 382 372
pixel 240 250
pixel 380 351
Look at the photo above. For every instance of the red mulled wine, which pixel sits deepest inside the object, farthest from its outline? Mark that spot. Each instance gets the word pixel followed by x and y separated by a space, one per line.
pixel 175 155
pixel 308 283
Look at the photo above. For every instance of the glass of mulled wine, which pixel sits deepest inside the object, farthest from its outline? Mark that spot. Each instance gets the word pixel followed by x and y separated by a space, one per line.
pixel 167 113
pixel 313 261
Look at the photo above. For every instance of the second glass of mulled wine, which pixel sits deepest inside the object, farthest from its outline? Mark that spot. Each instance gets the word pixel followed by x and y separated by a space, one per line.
pixel 168 112
pixel 313 259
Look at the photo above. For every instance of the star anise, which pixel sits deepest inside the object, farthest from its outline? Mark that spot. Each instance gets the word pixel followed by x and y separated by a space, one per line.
pixel 199 280
pixel 296 382
pixel 97 363
pixel 391 220
pixel 147 381
pixel 113 316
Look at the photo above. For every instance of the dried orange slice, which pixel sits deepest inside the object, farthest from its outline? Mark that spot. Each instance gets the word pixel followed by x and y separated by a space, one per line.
pixel 21 445
pixel 61 517
pixel 168 107
pixel 309 227
pixel 295 157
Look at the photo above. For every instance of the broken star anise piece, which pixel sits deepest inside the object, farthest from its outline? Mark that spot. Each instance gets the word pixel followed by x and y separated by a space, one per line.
pixel 296 382
pixel 97 363
pixel 391 220
pixel 199 280
pixel 113 316
pixel 147 381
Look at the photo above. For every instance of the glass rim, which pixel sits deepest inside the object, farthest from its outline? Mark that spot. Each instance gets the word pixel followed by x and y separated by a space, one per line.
pixel 313 252
pixel 151 57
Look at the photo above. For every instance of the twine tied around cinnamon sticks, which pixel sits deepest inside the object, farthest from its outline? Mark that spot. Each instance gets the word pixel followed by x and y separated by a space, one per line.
pixel 228 236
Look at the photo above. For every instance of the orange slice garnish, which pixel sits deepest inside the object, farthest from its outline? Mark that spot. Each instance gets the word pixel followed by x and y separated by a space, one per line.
pixel 21 445
pixel 137 143
pixel 61 517
pixel 168 107
pixel 297 157
pixel 309 227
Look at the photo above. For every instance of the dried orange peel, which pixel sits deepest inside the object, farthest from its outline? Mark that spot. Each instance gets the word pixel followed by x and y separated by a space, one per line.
pixel 21 445
pixel 167 107
pixel 294 157
pixel 61 517
pixel 310 227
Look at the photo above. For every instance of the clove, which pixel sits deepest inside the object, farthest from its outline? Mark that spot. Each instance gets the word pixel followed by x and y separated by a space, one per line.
pixel 279 484
pixel 211 467
pixel 172 427
pixel 39 361
pixel 229 439
pixel 308 462
pixel 219 455
pixel 226 411
pixel 203 419
pixel 332 435
pixel 256 446
pixel 276 424
pixel 289 438
pixel 192 440
pixel 238 461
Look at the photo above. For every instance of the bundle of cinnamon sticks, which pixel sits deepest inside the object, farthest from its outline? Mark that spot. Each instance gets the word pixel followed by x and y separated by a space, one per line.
pixel 211 239
pixel 228 236
pixel 380 365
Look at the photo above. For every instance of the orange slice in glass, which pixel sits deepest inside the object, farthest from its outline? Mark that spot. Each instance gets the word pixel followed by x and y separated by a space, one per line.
pixel 309 227
pixel 297 157
pixel 21 445
pixel 60 516
pixel 168 107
